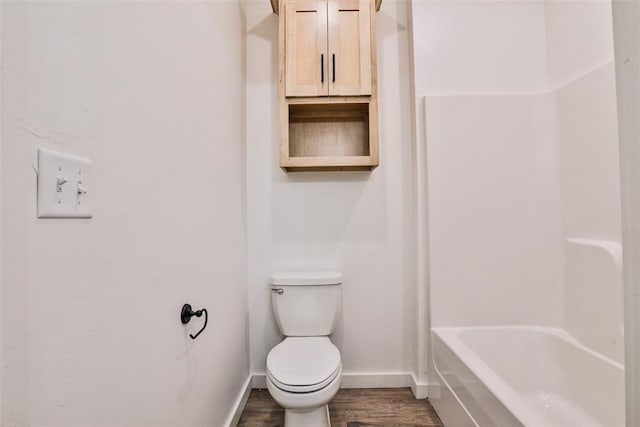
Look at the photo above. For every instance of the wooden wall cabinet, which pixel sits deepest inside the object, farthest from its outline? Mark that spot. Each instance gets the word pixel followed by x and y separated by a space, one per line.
pixel 328 48
pixel 328 79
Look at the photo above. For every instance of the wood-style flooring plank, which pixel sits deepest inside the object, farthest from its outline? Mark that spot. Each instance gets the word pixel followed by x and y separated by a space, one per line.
pixel 391 407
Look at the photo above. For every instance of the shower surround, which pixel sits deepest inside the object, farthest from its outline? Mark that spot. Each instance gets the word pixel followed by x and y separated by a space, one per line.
pixel 517 112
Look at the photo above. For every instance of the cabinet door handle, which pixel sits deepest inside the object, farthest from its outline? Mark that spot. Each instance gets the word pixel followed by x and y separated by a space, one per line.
pixel 321 68
pixel 334 67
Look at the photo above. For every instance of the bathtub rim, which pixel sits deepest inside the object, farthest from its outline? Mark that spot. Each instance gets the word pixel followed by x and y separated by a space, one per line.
pixel 503 392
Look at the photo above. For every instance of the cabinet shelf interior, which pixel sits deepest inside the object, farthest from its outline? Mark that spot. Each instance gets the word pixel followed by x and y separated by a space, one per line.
pixel 329 130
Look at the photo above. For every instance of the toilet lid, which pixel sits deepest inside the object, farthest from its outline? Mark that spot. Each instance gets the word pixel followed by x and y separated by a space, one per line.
pixel 303 364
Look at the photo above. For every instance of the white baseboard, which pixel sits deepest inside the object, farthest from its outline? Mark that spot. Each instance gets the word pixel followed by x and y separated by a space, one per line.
pixel 376 380
pixel 259 381
pixel 239 404
pixel 357 380
pixel 420 390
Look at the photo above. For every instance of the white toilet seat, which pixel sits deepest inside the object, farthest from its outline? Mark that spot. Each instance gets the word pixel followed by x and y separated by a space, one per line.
pixel 303 364
pixel 303 388
pixel 304 402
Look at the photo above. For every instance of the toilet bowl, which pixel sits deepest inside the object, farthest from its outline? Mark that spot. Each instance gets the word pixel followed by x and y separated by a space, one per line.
pixel 303 375
pixel 304 370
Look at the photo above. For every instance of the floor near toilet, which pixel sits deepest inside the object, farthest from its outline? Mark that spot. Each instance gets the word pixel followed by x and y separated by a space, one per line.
pixel 374 407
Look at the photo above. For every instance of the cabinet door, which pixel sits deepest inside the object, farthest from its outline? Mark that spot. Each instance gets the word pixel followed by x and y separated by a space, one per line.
pixel 349 47
pixel 306 48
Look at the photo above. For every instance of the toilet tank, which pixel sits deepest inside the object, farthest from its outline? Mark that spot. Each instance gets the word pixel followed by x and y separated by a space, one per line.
pixel 306 304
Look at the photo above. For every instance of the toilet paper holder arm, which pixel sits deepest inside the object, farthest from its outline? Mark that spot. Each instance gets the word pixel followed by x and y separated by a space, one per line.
pixel 187 313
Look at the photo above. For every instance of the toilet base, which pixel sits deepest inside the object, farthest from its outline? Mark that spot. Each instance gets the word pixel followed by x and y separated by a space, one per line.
pixel 318 417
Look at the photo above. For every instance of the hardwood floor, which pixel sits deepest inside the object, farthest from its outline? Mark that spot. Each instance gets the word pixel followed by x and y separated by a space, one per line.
pixel 389 407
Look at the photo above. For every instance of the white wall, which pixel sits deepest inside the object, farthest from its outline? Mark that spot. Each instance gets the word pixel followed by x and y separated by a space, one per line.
pixel 590 172
pixel 582 78
pixel 579 38
pixel 1 202
pixel 152 93
pixel 360 223
pixel 479 47
pixel 626 29
pixel 494 225
pixel 490 159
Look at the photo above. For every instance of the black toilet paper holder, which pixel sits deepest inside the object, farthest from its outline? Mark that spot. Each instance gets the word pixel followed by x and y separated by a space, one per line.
pixel 187 313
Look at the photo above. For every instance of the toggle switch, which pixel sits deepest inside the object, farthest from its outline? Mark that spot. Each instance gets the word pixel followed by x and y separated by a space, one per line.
pixel 61 180
pixel 63 185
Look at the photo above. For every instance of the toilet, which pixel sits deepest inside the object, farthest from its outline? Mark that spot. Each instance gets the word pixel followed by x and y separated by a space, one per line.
pixel 304 370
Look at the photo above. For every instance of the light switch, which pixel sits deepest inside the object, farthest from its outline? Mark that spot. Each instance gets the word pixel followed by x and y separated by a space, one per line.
pixel 64 185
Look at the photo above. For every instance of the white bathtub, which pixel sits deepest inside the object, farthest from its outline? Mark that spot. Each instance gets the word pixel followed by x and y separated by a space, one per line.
pixel 531 376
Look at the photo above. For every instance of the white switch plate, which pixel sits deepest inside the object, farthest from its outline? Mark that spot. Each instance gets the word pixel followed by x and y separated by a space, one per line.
pixel 64 185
